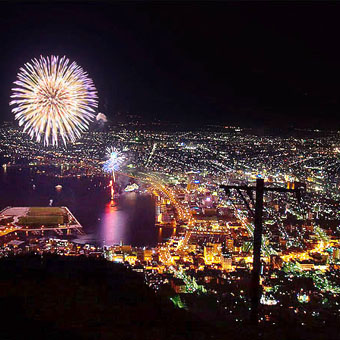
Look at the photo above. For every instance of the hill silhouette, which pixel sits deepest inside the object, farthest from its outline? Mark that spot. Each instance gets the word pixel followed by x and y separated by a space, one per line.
pixel 54 297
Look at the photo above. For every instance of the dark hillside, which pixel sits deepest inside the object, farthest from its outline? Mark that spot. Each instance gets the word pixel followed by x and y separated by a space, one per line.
pixel 73 297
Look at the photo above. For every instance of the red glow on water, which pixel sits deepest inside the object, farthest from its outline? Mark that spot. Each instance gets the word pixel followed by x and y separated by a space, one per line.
pixel 112 193
pixel 113 224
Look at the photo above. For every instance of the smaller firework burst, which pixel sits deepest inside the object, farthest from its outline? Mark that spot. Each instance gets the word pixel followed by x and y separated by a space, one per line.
pixel 114 161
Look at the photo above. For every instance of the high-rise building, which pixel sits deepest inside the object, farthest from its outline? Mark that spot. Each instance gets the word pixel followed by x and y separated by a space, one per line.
pixel 208 254
pixel 226 262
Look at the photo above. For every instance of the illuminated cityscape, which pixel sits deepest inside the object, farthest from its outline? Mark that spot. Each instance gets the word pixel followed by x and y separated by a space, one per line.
pixel 207 254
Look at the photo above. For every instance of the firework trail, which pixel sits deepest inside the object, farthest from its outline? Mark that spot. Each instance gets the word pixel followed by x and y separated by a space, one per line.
pixel 115 159
pixel 53 98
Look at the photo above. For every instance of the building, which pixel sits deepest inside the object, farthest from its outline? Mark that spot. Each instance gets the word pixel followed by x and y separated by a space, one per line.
pixel 336 254
pixel 208 254
pixel 229 243
pixel 147 254
pixel 305 265
pixel 212 253
pixel 226 262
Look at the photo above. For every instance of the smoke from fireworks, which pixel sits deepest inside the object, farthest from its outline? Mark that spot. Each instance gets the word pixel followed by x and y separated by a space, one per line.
pixel 53 98
pixel 101 118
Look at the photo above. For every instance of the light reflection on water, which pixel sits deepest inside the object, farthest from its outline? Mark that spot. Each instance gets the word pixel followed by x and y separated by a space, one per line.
pixel 113 225
pixel 131 220
pixel 160 234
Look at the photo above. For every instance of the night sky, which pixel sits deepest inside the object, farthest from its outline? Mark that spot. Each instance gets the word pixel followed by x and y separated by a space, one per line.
pixel 250 64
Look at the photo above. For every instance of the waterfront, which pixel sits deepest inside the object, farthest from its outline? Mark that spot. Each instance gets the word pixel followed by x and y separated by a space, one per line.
pixel 131 220
pixel 208 266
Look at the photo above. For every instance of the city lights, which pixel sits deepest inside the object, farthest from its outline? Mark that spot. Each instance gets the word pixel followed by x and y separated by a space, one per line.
pixel 208 250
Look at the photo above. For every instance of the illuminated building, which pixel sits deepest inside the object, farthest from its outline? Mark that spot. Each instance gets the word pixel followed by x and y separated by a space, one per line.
pixel 126 248
pixel 229 244
pixel 147 254
pixel 226 262
pixel 290 185
pixel 212 253
pixel 306 265
pixel 131 259
pixel 158 211
pixel 336 253
pixel 217 249
pixel 208 254
pixel 118 257
pixel 193 182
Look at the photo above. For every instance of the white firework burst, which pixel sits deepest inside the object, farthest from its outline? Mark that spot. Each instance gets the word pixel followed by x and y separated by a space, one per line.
pixel 53 98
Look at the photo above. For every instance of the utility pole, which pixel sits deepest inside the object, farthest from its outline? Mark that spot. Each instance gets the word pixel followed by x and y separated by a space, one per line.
pixel 258 216
pixel 255 279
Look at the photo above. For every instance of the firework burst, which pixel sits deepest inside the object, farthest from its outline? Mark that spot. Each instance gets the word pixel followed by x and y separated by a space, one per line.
pixel 53 98
pixel 115 159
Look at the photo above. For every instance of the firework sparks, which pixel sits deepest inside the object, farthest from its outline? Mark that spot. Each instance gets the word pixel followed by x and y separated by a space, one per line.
pixel 53 98
pixel 115 159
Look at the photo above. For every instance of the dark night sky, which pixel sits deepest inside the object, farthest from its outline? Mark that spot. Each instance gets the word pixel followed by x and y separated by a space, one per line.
pixel 260 64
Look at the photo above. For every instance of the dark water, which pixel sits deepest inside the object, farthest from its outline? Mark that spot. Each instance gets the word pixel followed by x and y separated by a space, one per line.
pixel 131 221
